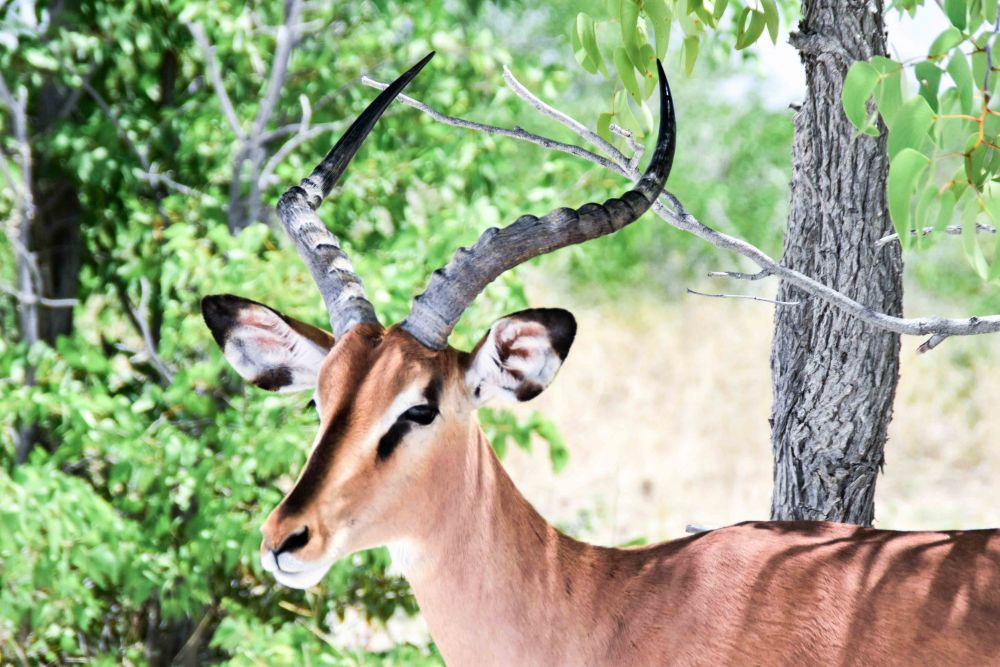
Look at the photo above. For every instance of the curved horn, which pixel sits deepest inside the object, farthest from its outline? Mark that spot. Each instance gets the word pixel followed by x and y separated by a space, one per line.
pixel 341 288
pixel 452 289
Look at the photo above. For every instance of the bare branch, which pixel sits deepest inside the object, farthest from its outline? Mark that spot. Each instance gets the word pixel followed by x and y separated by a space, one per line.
pixel 7 175
pixel 637 148
pixel 694 528
pixel 515 133
pixel 736 275
pixel 679 217
pixel 212 65
pixel 139 318
pixel 31 299
pixel 931 343
pixel 155 178
pixel 953 230
pixel 303 135
pixel 122 134
pixel 279 68
pixel 749 297
pixel 576 126
pixel 921 326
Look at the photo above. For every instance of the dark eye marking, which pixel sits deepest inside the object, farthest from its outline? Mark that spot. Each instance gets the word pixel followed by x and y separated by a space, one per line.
pixel 392 438
pixel 420 415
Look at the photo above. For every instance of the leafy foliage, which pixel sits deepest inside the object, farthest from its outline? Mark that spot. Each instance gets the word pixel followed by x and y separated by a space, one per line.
pixel 627 37
pixel 943 137
pixel 135 521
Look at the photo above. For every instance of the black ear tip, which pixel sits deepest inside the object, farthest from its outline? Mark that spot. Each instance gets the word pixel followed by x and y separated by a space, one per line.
pixel 216 305
pixel 219 312
pixel 560 324
pixel 563 337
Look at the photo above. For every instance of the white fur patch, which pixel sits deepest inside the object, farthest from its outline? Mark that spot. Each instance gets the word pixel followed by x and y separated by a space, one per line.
pixel 261 342
pixel 529 359
pixel 404 557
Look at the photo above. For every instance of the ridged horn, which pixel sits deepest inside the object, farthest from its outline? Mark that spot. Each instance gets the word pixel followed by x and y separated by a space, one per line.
pixel 332 270
pixel 452 288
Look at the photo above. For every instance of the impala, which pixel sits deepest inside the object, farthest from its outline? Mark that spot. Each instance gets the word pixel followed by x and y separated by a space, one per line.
pixel 400 460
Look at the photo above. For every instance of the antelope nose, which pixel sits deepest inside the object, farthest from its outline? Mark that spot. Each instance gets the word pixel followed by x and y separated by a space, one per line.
pixel 292 542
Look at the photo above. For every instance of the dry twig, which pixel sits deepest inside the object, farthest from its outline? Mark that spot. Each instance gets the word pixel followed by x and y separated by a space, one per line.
pixel 670 209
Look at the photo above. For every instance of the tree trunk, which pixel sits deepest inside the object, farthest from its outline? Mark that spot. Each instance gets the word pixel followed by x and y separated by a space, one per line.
pixel 834 378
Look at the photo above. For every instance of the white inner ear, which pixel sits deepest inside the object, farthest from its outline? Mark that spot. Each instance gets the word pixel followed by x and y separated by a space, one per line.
pixel 516 355
pixel 261 344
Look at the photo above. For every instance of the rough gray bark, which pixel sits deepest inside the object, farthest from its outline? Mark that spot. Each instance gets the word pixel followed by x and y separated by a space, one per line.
pixel 834 377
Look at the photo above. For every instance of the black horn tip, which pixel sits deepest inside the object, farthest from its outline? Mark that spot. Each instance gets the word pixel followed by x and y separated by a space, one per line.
pixel 426 59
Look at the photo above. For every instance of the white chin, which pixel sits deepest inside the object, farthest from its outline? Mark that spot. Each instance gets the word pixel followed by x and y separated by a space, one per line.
pixel 303 579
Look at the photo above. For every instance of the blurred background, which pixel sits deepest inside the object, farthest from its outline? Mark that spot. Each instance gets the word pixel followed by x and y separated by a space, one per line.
pixel 135 466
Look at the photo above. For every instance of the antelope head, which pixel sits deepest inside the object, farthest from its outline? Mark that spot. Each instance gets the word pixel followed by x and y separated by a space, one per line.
pixel 397 405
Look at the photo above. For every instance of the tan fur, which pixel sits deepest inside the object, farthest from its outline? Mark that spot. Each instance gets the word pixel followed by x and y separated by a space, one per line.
pixel 500 586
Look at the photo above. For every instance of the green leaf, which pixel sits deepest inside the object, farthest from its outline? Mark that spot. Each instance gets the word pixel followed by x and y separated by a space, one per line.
pixel 945 42
pixel 970 244
pixel 649 76
pixel 656 10
pixel 859 84
pixel 581 56
pixel 628 119
pixel 587 38
pixel 771 18
pixel 978 66
pixel 961 74
pixel 747 33
pixel 604 126
pixel 41 60
pixel 975 159
pixel 975 12
pixel 946 211
pixel 647 116
pixel 956 11
pixel 690 53
pixel 904 169
pixel 990 10
pixel 631 37
pixel 719 8
pixel 697 7
pixel 626 72
pixel 928 197
pixel 889 91
pixel 929 77
pixel 910 128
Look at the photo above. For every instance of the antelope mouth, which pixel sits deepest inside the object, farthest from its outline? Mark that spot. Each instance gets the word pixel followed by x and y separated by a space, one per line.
pixel 292 571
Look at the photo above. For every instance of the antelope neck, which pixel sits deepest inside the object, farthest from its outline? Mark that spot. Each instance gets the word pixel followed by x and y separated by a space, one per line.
pixel 493 568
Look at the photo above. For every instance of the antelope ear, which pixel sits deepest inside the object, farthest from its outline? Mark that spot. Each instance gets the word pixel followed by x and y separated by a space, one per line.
pixel 266 348
pixel 520 354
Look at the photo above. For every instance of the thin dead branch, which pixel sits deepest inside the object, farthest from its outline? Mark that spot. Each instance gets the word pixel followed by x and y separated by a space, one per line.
pixel 749 297
pixel 953 230
pixel 670 209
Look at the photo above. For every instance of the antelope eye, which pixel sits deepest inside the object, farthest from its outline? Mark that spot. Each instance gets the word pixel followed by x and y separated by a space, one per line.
pixel 420 414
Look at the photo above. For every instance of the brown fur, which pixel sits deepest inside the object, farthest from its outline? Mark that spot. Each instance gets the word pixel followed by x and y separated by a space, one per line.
pixel 498 585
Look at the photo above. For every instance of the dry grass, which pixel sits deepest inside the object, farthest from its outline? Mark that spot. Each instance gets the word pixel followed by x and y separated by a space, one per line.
pixel 665 410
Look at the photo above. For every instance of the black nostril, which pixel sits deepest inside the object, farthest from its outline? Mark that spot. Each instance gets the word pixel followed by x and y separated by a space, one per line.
pixel 294 541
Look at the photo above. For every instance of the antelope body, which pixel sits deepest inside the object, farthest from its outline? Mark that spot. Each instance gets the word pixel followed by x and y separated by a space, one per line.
pixel 400 460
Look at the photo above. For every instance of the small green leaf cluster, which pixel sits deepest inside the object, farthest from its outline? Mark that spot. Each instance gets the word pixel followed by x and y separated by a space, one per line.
pixel 624 44
pixel 942 135
pixel 505 426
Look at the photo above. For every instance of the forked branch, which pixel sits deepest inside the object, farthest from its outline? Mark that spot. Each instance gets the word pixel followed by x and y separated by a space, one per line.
pixel 670 209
